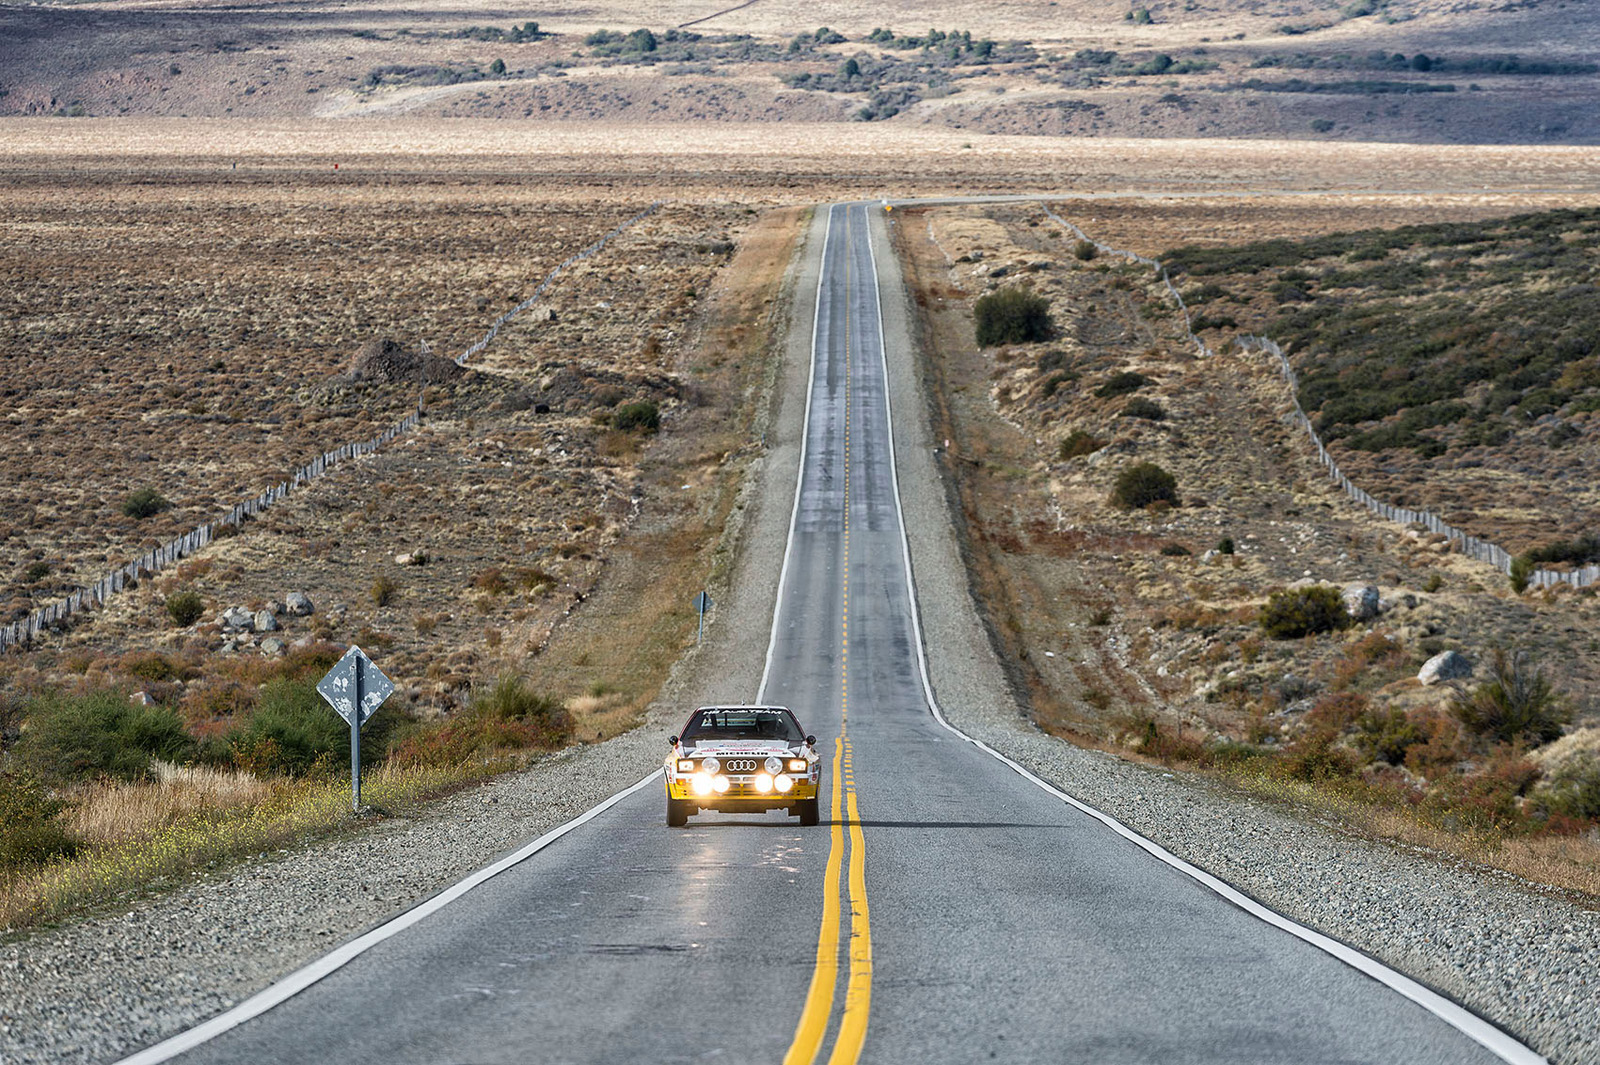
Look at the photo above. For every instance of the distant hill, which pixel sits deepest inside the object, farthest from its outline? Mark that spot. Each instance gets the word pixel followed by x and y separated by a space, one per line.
pixel 1378 70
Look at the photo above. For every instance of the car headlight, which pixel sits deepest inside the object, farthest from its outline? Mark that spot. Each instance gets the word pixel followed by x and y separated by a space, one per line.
pixel 703 784
pixel 686 765
pixel 764 782
pixel 773 764
pixel 784 783
pixel 798 765
pixel 710 765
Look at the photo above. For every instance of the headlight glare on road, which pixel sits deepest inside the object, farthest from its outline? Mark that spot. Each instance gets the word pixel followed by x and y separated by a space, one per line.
pixel 783 784
pixel 702 784
pixel 797 765
pixel 686 765
pixel 721 784
pixel 763 782
pixel 710 765
pixel 773 764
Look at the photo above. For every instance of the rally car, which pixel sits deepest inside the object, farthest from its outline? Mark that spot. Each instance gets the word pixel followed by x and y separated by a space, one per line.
pixel 742 759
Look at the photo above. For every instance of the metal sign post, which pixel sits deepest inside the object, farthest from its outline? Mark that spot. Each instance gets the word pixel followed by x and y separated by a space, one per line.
pixel 355 688
pixel 702 603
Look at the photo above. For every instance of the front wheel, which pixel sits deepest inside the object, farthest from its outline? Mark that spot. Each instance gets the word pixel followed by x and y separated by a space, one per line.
pixel 677 812
pixel 809 814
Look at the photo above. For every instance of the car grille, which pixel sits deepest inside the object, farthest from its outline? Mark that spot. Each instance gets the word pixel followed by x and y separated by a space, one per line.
pixel 741 765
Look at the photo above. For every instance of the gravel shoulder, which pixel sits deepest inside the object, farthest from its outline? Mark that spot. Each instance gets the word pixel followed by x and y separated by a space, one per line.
pixel 1521 957
pixel 100 988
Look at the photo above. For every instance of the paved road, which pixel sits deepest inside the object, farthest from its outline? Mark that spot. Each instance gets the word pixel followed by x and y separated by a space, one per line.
pixel 947 911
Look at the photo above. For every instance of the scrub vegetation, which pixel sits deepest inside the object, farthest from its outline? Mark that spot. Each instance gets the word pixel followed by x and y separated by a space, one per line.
pixel 1286 658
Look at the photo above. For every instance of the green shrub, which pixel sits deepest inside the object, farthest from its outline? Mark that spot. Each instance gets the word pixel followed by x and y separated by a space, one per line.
pixel 185 608
pixel 70 736
pixel 511 699
pixel 144 503
pixel 1289 615
pixel 1143 484
pixel 1574 792
pixel 1516 705
pixel 1079 443
pixel 294 731
pixel 1084 250
pixel 1011 316
pixel 383 590
pixel 31 832
pixel 1148 409
pixel 1522 568
pixel 1383 735
pixel 37 571
pixel 643 416
pixel 1225 546
pixel 1175 550
pixel 1121 384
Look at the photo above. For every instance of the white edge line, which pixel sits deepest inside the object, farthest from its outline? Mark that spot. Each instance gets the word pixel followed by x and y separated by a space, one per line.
pixel 282 990
pixel 297 981
pixel 800 475
pixel 1463 1020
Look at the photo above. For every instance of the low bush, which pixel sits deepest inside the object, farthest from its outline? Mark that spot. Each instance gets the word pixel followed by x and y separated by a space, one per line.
pixel 185 608
pixel 1573 793
pixel 31 832
pixel 1225 546
pixel 1289 615
pixel 1121 384
pixel 1175 550
pixel 1148 409
pixel 293 731
pixel 644 417
pixel 1384 735
pixel 1142 484
pixel 69 736
pixel 505 718
pixel 383 590
pixel 144 503
pixel 37 571
pixel 1011 316
pixel 1516 705
pixel 1079 443
pixel 1084 250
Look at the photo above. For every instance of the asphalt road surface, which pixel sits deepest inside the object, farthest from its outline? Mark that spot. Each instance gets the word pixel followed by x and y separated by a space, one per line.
pixel 947 909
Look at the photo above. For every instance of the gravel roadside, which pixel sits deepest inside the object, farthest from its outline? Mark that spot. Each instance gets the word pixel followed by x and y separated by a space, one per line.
pixel 1521 957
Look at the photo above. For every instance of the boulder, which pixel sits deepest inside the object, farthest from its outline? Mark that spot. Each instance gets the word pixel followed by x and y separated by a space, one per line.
pixel 266 621
pixel 235 619
pixel 1446 665
pixel 299 605
pixel 272 646
pixel 1360 601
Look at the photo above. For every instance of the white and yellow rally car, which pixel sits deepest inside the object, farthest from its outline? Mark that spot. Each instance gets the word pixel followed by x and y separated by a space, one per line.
pixel 742 759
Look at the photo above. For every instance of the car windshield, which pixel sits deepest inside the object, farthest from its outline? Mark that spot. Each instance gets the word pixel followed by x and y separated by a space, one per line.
pixel 743 723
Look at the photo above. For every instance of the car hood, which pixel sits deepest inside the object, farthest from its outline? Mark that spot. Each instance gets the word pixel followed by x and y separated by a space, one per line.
pixel 733 748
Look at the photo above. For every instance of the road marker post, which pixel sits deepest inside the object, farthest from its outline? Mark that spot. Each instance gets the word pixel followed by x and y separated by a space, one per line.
pixel 702 603
pixel 355 688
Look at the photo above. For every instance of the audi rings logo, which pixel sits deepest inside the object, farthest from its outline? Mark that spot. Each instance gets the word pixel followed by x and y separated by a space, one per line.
pixel 740 765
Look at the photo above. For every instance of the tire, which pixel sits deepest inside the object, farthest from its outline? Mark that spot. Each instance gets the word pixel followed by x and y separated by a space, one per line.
pixel 809 814
pixel 677 812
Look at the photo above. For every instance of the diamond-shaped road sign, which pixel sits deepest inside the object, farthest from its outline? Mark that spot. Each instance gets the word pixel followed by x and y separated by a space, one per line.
pixel 355 672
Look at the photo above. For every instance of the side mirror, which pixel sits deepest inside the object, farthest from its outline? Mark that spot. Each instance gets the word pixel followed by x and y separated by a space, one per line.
pixel 672 741
pixel 811 741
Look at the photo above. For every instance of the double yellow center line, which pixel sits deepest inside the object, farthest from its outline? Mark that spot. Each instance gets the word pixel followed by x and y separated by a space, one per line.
pixel 818 1011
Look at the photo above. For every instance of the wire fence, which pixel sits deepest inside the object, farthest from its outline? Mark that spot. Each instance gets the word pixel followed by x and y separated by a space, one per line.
pixel 55 615
pixel 1467 544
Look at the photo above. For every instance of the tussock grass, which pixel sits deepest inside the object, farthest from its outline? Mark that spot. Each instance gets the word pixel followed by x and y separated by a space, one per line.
pixel 121 812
